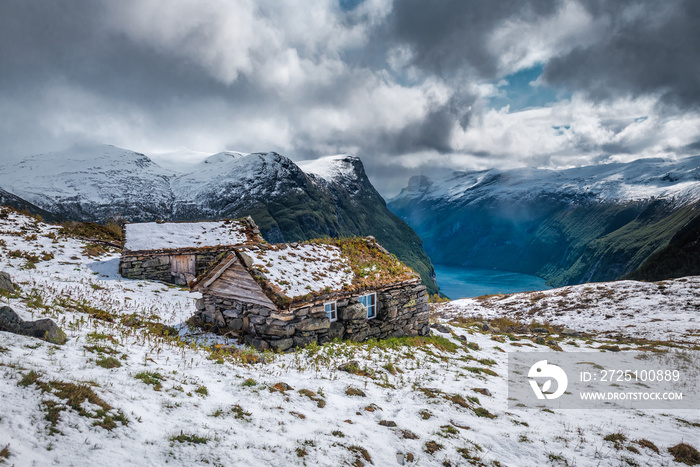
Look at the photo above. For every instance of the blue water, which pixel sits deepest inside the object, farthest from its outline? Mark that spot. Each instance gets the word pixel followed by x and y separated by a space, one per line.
pixel 462 282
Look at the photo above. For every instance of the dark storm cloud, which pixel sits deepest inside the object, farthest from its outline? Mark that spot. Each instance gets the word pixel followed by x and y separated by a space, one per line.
pixel 382 80
pixel 648 47
pixel 450 35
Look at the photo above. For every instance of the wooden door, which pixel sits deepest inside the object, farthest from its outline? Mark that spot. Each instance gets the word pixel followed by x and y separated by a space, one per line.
pixel 183 266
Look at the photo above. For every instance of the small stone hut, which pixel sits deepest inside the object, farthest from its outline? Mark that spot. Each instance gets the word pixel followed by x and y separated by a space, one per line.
pixel 290 295
pixel 178 252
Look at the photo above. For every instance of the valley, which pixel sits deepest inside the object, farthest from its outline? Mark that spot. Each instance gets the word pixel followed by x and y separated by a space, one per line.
pixel 586 224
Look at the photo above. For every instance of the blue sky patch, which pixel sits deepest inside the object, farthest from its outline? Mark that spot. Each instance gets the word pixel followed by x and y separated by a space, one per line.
pixel 520 94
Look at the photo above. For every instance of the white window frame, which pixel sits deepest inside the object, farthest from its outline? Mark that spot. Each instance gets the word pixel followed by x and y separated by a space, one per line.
pixel 333 314
pixel 373 306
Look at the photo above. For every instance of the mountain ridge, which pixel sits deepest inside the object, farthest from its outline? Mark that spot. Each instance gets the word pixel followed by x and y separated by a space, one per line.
pixel 96 183
pixel 593 223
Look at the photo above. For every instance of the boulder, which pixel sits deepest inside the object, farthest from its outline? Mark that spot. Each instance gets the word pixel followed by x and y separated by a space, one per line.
pixel 44 329
pixel 313 324
pixel 281 344
pixel 6 282
pixel 355 312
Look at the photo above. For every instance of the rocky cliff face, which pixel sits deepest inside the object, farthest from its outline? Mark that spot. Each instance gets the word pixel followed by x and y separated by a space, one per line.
pixel 8 199
pixel 289 202
pixel 593 223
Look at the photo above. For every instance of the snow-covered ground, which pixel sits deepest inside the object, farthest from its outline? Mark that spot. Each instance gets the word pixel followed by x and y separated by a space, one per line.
pixel 175 402
pixel 666 310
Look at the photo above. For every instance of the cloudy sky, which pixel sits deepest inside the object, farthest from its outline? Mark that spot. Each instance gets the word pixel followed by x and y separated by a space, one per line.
pixel 406 85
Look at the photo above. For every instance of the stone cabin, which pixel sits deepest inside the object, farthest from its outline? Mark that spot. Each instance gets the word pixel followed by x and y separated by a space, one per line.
pixel 178 252
pixel 290 295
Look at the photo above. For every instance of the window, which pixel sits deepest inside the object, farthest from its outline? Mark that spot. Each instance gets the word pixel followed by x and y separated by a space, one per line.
pixel 369 301
pixel 331 311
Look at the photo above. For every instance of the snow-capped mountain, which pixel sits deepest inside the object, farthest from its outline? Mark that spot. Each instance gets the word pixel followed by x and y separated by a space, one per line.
pixel 569 226
pixel 92 182
pixel 618 182
pixel 327 197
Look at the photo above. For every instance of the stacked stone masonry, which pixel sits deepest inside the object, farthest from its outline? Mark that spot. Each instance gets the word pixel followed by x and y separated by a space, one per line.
pixel 157 266
pixel 401 311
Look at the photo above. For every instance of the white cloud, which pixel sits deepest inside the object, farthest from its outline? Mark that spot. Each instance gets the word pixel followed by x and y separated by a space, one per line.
pixel 523 42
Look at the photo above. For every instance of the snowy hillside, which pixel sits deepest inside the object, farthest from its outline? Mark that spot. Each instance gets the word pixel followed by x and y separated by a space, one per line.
pixel 123 392
pixel 103 180
pixel 618 182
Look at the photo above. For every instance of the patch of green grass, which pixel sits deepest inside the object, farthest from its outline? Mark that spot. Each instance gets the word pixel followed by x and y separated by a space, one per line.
pixel 202 391
pixel 108 362
pixel 100 349
pixel 249 383
pixel 73 396
pixel 355 392
pixel 482 412
pixel 189 438
pixel 100 336
pixel 151 378
pixel 431 447
pixel 361 452
pixel 239 413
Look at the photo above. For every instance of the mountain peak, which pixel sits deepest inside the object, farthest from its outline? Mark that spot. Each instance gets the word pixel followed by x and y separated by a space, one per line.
pixel 224 156
pixel 332 168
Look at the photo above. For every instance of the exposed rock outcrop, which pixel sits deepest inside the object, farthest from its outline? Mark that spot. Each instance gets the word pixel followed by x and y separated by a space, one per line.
pixel 44 329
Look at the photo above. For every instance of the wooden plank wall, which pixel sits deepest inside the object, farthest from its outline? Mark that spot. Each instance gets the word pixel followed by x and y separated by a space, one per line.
pixel 237 283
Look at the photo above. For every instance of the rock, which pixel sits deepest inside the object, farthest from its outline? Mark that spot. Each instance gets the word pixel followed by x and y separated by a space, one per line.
pixel 219 320
pixel 247 260
pixel 6 282
pixel 302 341
pixel 441 328
pixel 389 423
pixel 256 342
pixel 483 391
pixel 349 367
pixel 541 330
pixel 570 333
pixel 9 320
pixel 281 344
pixel 280 331
pixel 44 329
pixel 281 387
pixel 314 324
pixel 234 324
pixel 232 314
pixel 355 312
pixel 407 434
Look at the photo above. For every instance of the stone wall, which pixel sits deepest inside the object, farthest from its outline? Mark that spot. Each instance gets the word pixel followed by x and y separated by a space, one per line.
pixel 401 311
pixel 157 266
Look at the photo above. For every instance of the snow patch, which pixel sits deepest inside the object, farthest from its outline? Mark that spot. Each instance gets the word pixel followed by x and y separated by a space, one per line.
pixel 298 270
pixel 330 168
pixel 172 235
